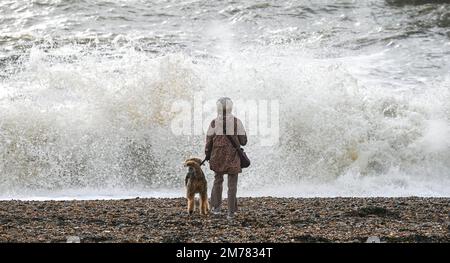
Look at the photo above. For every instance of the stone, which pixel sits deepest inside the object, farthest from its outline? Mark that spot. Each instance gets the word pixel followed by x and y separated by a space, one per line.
pixel 373 239
pixel 73 239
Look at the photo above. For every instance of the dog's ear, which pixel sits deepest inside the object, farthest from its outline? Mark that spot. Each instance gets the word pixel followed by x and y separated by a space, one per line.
pixel 195 159
pixel 191 163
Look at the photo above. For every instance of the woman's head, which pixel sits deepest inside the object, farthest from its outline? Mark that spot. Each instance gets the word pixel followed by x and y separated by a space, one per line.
pixel 224 105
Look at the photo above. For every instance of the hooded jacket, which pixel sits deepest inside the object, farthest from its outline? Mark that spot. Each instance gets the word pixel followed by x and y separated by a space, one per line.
pixel 223 157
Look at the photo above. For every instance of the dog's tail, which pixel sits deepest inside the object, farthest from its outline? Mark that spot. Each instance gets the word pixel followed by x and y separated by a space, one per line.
pixel 194 164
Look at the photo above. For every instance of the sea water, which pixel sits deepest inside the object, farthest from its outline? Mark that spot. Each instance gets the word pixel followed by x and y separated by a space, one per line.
pixel 87 88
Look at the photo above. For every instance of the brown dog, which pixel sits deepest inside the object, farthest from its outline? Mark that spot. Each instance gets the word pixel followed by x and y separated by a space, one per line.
pixel 195 182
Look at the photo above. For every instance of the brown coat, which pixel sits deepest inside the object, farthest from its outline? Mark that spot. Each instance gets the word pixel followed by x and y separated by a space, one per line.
pixel 223 157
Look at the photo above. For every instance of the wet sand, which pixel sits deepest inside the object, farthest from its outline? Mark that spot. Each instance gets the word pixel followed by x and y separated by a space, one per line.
pixel 262 219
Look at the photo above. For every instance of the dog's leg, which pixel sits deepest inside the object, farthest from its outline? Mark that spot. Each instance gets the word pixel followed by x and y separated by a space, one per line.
pixel 204 203
pixel 190 198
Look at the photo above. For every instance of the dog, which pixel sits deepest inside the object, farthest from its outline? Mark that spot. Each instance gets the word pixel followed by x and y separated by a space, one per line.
pixel 195 182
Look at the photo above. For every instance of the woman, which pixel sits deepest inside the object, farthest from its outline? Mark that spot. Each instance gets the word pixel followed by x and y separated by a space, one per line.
pixel 222 156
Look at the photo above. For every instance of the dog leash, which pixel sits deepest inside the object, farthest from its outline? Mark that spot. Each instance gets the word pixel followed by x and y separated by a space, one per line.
pixel 203 162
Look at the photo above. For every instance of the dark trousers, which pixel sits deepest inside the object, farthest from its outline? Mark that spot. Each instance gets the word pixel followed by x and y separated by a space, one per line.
pixel 216 193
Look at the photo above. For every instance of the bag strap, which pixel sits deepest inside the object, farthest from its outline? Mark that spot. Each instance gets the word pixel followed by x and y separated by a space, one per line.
pixel 232 141
pixel 228 136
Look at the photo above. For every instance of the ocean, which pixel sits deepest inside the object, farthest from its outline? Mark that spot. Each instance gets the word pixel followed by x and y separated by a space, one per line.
pixel 361 93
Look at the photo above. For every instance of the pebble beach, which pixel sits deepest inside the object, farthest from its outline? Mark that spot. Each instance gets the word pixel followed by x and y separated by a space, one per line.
pixel 261 219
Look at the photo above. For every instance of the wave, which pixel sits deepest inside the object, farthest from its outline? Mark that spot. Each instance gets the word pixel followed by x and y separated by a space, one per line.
pixel 103 122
